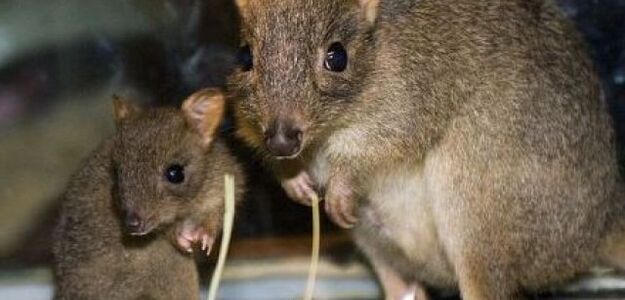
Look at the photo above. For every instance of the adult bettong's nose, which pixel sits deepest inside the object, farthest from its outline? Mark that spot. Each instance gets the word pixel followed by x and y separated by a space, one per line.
pixel 283 139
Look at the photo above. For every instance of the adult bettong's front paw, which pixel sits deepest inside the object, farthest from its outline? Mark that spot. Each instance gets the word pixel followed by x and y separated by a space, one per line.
pixel 340 203
pixel 300 188
pixel 189 234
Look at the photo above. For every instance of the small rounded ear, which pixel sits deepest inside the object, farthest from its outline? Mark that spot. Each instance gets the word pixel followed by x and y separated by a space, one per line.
pixel 242 5
pixel 123 110
pixel 204 111
pixel 369 9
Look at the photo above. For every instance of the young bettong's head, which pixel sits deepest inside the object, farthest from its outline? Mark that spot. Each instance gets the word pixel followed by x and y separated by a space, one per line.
pixel 162 162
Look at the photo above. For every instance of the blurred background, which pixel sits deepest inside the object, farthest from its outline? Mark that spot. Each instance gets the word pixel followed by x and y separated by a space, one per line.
pixel 62 60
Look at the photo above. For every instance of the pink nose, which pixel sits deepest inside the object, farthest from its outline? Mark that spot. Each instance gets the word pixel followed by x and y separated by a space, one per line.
pixel 134 223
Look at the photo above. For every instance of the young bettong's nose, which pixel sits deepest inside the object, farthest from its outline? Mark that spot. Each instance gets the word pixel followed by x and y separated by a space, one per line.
pixel 134 223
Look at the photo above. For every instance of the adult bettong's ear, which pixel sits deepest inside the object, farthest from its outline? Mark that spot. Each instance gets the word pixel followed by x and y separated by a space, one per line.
pixel 369 9
pixel 124 110
pixel 204 112
pixel 242 5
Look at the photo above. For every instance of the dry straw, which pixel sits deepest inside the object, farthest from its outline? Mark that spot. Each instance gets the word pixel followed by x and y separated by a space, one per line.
pixel 227 233
pixel 314 258
pixel 225 239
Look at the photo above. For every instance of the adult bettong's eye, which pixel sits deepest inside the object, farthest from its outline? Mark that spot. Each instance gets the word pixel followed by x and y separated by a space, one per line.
pixel 336 58
pixel 175 174
pixel 245 58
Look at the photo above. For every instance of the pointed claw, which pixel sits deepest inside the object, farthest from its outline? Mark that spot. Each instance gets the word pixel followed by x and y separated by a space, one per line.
pixel 207 244
pixel 204 242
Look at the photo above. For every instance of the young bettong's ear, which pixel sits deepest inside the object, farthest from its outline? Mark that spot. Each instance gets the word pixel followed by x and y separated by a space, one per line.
pixel 369 9
pixel 123 110
pixel 204 111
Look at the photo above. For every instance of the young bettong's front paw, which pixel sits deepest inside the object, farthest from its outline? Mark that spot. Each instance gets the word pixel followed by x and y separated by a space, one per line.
pixel 299 188
pixel 340 203
pixel 189 234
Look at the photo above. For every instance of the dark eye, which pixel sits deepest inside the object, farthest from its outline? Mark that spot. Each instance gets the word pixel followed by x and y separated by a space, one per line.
pixel 175 174
pixel 336 58
pixel 245 58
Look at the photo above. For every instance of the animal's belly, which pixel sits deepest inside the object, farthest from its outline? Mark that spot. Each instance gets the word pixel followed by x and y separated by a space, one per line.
pixel 398 216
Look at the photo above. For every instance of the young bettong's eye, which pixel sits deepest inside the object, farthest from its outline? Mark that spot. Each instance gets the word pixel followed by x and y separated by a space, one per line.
pixel 336 58
pixel 245 58
pixel 175 174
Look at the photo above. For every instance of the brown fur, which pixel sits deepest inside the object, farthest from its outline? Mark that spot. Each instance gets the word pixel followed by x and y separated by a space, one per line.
pixel 469 138
pixel 94 256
